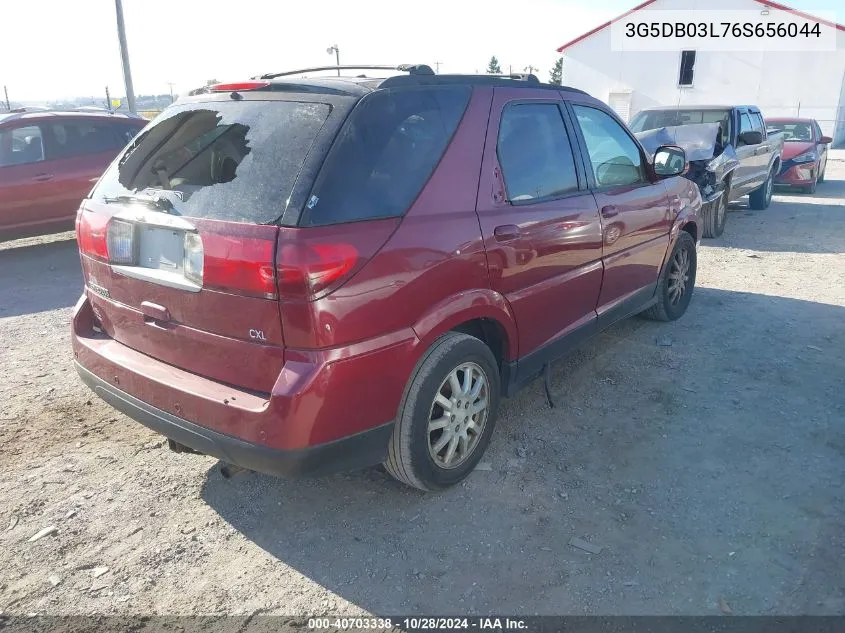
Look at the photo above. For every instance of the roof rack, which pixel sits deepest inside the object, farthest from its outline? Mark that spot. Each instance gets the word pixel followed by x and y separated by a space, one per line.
pixel 412 69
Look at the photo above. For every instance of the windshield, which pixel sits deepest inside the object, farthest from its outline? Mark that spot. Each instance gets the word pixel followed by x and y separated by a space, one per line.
pixel 653 119
pixel 234 161
pixel 797 132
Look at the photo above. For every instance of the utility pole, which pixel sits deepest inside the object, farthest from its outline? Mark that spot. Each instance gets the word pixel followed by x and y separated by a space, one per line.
pixel 124 56
pixel 171 84
pixel 334 49
pixel 530 69
pixel 437 67
pixel 6 92
pixel 108 99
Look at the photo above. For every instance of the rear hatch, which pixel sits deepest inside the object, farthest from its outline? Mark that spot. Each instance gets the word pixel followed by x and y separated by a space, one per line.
pixel 179 237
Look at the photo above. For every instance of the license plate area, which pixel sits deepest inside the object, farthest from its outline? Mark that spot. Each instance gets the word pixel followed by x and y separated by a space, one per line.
pixel 161 248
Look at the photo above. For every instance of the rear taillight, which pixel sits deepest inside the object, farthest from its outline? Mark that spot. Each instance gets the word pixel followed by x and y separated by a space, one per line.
pixel 240 264
pixel 306 269
pixel 91 234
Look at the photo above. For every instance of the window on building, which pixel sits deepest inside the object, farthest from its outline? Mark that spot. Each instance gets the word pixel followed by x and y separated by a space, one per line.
pixel 687 71
pixel 535 153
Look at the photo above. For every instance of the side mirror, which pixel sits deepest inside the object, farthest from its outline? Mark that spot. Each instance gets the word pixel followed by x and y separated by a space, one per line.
pixel 751 137
pixel 825 140
pixel 669 160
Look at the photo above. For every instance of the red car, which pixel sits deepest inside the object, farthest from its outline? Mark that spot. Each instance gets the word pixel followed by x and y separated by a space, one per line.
pixel 804 152
pixel 50 160
pixel 312 275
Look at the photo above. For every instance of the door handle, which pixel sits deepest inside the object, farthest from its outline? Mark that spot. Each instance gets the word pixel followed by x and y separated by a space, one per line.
pixel 609 211
pixel 43 177
pixel 506 232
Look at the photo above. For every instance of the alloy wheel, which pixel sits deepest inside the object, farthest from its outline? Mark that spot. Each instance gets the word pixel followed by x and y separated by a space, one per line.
pixel 458 415
pixel 678 276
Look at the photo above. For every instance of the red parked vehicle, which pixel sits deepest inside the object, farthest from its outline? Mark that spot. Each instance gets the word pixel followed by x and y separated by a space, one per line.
pixel 312 275
pixel 804 152
pixel 50 160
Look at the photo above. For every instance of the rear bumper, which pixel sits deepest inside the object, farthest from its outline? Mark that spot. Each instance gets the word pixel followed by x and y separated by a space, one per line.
pixel 356 451
pixel 319 417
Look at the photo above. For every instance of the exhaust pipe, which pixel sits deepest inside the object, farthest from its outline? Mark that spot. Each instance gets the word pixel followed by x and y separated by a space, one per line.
pixel 176 447
pixel 230 470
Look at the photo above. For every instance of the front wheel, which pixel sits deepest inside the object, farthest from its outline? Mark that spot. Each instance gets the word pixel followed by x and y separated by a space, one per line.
pixel 761 197
pixel 447 414
pixel 715 217
pixel 676 282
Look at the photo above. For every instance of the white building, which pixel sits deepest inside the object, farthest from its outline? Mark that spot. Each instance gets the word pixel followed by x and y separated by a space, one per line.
pixel 803 83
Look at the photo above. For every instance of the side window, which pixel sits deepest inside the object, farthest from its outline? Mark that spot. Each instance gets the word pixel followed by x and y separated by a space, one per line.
pixel 21 146
pixel 745 123
pixel 818 130
pixel 385 153
pixel 79 138
pixel 535 153
pixel 757 122
pixel 614 156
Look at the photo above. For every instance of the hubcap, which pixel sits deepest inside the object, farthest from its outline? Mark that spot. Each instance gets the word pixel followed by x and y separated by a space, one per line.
pixel 678 276
pixel 458 415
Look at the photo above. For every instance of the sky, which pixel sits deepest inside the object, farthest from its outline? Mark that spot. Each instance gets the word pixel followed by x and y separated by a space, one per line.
pixel 54 49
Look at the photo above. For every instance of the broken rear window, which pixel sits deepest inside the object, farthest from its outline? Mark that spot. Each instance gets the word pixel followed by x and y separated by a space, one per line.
pixel 234 161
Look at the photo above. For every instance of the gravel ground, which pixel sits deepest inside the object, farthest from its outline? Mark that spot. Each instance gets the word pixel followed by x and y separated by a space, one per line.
pixel 704 457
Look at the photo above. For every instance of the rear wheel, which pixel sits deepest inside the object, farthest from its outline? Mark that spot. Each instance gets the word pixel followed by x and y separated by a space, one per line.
pixel 715 216
pixel 447 414
pixel 761 197
pixel 677 281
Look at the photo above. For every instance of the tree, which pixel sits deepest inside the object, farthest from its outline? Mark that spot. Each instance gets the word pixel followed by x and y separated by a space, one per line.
pixel 556 75
pixel 493 67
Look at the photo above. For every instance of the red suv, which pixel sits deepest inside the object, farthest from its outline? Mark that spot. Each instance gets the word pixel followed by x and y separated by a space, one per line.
pixel 312 275
pixel 50 160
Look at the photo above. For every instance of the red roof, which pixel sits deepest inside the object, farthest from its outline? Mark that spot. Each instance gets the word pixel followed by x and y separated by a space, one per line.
pixel 643 5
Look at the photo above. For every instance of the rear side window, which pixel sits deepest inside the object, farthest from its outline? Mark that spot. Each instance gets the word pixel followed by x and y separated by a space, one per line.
pixel 80 138
pixel 615 157
pixel 535 153
pixel 21 146
pixel 234 161
pixel 125 133
pixel 385 153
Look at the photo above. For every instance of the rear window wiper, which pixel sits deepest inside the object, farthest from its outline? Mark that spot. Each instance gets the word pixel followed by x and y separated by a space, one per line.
pixel 159 203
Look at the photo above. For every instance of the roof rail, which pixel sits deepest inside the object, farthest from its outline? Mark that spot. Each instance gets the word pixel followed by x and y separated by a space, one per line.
pixel 412 69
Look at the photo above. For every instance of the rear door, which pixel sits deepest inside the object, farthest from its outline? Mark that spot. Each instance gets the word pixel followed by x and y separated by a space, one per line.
pixel 79 150
pixel 763 152
pixel 636 213
pixel 539 222
pixel 179 237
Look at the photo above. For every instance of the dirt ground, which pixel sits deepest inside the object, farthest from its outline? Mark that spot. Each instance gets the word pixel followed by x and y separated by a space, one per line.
pixel 704 457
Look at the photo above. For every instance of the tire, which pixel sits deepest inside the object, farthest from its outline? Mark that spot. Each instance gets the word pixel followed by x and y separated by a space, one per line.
pixel 667 307
pixel 716 216
pixel 810 189
pixel 761 197
pixel 411 455
pixel 821 175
